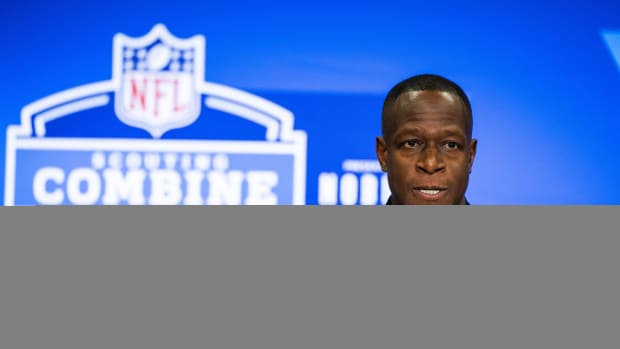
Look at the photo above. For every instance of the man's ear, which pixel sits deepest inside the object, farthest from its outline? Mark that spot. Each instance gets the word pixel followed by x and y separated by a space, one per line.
pixel 381 150
pixel 472 153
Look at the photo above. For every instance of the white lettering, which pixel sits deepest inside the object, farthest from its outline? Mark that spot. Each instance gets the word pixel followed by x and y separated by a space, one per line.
pixel 260 188
pixel 39 186
pixel 157 178
pixel 224 188
pixel 369 189
pixel 328 188
pixel 91 179
pixel 353 165
pixel 119 188
pixel 348 189
pixel 170 160
pixel 193 181
pixel 165 187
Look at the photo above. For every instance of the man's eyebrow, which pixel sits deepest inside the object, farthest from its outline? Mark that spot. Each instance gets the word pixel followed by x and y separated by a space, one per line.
pixel 458 134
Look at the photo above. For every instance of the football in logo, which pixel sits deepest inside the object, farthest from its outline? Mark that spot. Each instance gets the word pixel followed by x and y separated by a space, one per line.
pixel 157 79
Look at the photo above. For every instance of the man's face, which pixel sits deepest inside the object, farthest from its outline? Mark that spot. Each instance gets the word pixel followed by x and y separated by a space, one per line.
pixel 426 149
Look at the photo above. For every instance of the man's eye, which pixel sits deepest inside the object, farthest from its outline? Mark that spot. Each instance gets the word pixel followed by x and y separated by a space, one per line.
pixel 414 143
pixel 452 146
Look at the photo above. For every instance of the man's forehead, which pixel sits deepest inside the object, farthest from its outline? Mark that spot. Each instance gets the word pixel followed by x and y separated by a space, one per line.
pixel 428 101
pixel 438 127
pixel 437 106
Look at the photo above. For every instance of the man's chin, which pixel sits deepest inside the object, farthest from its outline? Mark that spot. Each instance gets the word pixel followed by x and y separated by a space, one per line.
pixel 417 200
pixel 430 203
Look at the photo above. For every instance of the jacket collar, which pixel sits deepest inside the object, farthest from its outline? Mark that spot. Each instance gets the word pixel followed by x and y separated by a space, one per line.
pixel 389 201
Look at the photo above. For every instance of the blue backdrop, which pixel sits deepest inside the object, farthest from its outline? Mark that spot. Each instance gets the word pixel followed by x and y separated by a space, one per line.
pixel 543 78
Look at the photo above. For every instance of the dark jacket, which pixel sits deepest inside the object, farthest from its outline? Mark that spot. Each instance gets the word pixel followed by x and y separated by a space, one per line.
pixel 389 201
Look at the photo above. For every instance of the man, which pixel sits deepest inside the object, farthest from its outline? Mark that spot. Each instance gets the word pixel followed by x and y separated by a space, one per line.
pixel 427 148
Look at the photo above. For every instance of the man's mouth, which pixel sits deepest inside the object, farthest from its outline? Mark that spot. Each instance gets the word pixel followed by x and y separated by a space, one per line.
pixel 432 193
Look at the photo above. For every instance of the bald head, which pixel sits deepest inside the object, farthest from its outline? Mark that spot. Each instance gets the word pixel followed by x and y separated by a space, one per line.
pixel 404 93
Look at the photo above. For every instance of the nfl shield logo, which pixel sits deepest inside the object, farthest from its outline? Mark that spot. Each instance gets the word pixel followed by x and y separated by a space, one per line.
pixel 156 80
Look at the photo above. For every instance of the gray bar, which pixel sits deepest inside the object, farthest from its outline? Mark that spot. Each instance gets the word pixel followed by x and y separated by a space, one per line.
pixel 309 277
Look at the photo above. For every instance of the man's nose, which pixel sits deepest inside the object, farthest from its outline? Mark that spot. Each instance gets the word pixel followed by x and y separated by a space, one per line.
pixel 430 161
